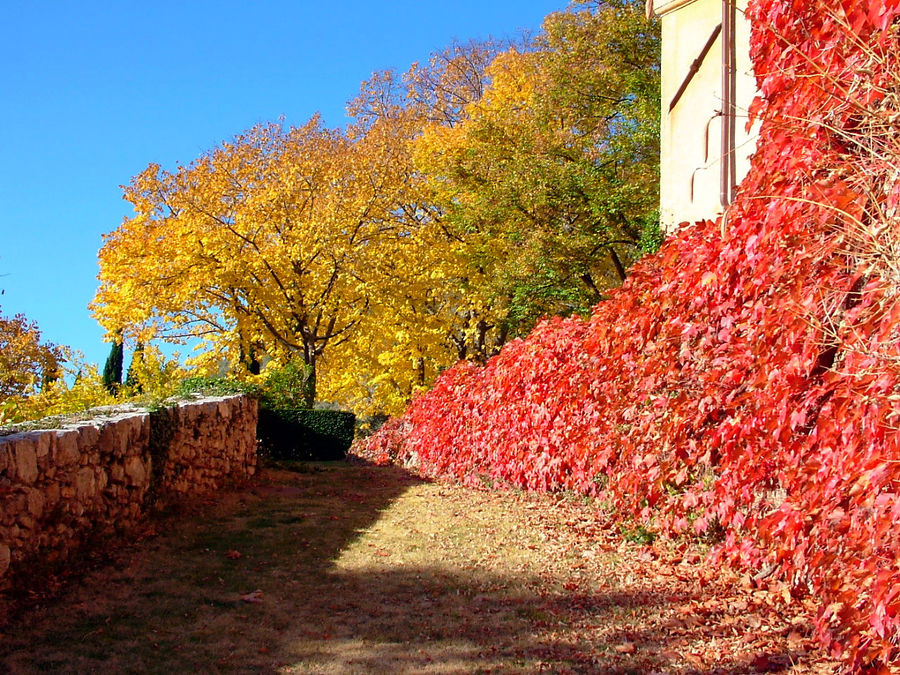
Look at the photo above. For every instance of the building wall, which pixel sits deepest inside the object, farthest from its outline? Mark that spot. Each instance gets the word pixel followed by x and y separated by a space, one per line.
pixel 691 134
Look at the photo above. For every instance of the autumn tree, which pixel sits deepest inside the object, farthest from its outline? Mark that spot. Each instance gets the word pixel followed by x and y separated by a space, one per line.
pixel 551 176
pixel 26 362
pixel 381 253
pixel 439 92
pixel 260 247
pixel 131 375
pixel 428 313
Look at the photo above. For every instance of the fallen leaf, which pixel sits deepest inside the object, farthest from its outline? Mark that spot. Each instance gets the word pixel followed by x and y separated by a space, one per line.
pixel 795 640
pixel 695 660
pixel 763 663
pixel 253 596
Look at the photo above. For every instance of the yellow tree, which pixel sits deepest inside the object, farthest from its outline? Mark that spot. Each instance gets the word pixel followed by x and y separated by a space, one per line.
pixel 429 311
pixel 260 247
pixel 337 248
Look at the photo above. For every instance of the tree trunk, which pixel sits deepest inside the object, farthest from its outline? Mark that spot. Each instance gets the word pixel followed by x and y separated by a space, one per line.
pixel 420 370
pixel 620 269
pixel 309 382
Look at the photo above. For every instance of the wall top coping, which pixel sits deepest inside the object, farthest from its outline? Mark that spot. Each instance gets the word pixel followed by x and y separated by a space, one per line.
pixel 96 417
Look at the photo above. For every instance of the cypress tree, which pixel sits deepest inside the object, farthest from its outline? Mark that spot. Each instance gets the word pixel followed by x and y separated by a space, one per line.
pixel 112 370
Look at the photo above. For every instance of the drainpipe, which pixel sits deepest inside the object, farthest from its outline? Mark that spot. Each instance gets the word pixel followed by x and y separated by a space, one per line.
pixel 729 94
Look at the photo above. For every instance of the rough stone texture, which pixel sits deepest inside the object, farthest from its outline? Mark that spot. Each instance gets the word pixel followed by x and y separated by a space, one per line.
pixel 25 457
pixel 60 487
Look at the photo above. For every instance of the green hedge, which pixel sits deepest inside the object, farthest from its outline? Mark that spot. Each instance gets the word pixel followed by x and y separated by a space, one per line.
pixel 216 386
pixel 301 434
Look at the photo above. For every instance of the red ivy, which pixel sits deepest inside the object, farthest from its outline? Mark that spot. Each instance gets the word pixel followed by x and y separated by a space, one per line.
pixel 745 378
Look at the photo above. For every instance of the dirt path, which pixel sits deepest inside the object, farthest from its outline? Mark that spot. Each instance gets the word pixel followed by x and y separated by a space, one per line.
pixel 347 568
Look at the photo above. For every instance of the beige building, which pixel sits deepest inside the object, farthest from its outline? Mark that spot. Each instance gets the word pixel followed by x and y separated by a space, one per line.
pixel 707 88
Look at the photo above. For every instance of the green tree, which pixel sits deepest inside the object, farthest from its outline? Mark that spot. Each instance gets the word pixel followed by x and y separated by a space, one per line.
pixel 112 369
pixel 551 177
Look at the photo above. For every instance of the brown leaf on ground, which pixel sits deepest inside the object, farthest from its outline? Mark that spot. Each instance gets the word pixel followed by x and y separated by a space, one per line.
pixel 253 596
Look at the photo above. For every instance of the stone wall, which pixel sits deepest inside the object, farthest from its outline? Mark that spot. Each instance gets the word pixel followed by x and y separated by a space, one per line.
pixel 62 488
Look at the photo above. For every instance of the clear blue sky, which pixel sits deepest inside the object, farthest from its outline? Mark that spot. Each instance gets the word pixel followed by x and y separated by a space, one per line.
pixel 92 92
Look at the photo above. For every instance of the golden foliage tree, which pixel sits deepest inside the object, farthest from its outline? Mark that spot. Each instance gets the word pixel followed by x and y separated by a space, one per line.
pixel 262 247
pixel 26 363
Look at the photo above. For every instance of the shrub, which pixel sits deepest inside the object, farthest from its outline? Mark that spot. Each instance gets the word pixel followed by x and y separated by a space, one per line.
pixel 296 434
pixel 289 386
pixel 58 398
pixel 216 386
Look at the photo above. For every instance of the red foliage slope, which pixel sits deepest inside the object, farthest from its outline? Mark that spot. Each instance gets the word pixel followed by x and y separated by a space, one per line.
pixel 746 378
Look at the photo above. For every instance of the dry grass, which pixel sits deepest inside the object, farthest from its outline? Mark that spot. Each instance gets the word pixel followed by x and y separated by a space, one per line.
pixel 349 568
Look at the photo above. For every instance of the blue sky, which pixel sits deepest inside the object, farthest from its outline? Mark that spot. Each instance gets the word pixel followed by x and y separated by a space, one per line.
pixel 92 92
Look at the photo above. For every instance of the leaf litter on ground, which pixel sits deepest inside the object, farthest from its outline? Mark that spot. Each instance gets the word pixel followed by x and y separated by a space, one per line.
pixel 352 568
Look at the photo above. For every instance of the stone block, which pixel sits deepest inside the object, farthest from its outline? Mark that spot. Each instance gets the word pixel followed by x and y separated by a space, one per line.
pixel 5 558
pixel 24 458
pixel 51 495
pixel 44 444
pixel 113 439
pixel 136 430
pixel 9 507
pixel 67 449
pixel 135 470
pixel 35 502
pixel 117 473
pixel 88 435
pixel 85 483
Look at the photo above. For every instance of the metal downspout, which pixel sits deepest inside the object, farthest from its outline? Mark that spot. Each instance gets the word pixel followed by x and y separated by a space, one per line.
pixel 729 94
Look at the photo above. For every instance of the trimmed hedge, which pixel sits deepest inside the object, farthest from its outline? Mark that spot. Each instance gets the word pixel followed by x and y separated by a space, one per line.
pixel 302 434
